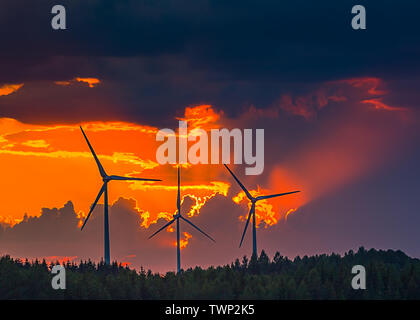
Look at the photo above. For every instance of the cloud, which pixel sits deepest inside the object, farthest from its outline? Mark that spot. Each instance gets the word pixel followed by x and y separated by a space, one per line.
pixel 378 104
pixel 36 143
pixel 55 234
pixel 352 92
pixel 204 53
pixel 7 89
pixel 92 82
pixel 48 152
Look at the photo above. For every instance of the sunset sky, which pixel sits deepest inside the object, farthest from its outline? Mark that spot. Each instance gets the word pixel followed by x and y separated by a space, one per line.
pixel 339 108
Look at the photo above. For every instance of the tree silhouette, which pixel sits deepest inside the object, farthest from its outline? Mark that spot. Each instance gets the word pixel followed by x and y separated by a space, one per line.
pixel 390 275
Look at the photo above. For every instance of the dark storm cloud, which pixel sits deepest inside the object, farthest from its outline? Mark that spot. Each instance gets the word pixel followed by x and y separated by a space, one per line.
pixel 245 37
pixel 159 56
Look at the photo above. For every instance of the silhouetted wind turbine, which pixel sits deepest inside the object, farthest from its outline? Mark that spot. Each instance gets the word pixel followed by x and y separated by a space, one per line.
pixel 252 211
pixel 104 189
pixel 176 218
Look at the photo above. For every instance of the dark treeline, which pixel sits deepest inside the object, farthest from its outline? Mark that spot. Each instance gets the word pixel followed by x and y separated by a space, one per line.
pixel 389 275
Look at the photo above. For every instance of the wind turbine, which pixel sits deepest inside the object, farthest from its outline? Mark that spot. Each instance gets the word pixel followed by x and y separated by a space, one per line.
pixel 104 190
pixel 252 211
pixel 176 218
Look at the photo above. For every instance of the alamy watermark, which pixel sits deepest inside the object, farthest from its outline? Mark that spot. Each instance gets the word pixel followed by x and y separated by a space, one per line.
pixel 220 139
pixel 359 280
pixel 59 280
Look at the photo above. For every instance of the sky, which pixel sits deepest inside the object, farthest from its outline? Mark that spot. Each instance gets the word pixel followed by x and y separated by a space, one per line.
pixel 339 109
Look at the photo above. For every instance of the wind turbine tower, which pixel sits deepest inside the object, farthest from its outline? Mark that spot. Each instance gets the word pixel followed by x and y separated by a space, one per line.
pixel 252 211
pixel 176 218
pixel 104 190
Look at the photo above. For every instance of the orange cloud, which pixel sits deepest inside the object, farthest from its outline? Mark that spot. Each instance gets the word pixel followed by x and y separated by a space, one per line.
pixel 7 89
pixel 290 211
pixel 51 164
pixel 183 242
pixel 198 193
pixel 92 82
pixel 268 212
pixel 35 144
pixel 9 221
pixel 202 117
pixel 54 160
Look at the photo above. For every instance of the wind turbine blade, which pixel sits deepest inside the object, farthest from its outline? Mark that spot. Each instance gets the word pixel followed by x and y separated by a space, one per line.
pixel 241 185
pixel 94 205
pixel 247 222
pixel 275 195
pixel 178 199
pixel 131 178
pixel 165 226
pixel 197 228
pixel 101 169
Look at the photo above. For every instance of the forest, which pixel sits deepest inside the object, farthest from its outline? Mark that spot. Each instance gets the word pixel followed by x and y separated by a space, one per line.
pixel 389 275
